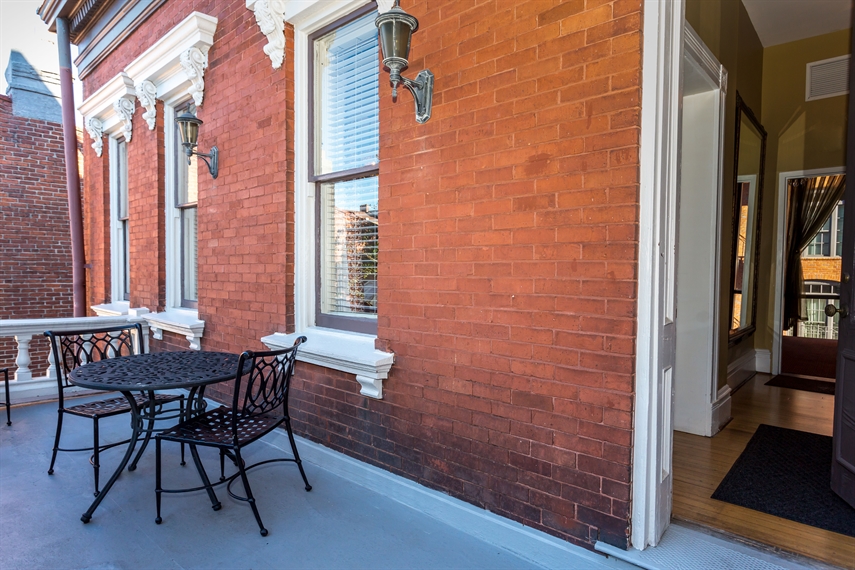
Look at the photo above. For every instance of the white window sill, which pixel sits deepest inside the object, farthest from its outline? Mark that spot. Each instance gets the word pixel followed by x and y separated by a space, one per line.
pixel 349 352
pixel 180 321
pixel 117 309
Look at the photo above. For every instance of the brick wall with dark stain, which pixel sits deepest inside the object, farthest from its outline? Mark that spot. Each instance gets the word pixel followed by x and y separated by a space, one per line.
pixel 508 237
pixel 35 243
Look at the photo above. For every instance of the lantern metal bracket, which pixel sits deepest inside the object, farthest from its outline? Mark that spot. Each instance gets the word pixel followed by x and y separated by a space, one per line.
pixel 422 90
pixel 211 158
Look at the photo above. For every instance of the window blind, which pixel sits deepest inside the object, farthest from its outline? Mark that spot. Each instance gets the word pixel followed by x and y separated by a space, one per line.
pixel 350 246
pixel 347 102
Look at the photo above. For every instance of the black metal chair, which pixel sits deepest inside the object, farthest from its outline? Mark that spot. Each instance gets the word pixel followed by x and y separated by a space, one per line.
pixel 75 348
pixel 259 405
pixel 5 372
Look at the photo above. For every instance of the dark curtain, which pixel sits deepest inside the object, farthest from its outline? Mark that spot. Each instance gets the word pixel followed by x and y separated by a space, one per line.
pixel 809 203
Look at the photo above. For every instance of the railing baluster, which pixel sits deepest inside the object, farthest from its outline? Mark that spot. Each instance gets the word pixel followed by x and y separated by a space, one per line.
pixel 23 361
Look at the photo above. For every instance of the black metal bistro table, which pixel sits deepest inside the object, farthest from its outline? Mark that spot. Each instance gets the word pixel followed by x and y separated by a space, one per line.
pixel 149 373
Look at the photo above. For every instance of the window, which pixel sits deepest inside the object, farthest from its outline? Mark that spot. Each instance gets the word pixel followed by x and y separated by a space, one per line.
pixel 120 242
pixel 186 196
pixel 828 242
pixel 344 133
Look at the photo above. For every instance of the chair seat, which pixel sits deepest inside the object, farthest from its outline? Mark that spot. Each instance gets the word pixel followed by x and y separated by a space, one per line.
pixel 114 406
pixel 215 428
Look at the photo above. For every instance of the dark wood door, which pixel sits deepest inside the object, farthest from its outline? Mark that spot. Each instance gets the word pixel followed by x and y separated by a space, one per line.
pixel 843 462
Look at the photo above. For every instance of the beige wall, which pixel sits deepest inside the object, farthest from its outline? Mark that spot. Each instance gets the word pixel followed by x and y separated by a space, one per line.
pixel 803 135
pixel 726 29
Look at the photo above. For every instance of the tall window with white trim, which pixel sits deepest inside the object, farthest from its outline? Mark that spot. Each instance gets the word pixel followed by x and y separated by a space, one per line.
pixel 186 191
pixel 121 260
pixel 344 168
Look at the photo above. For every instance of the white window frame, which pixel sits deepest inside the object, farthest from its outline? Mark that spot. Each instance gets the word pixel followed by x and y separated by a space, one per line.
pixel 175 318
pixel 832 237
pixel 349 352
pixel 117 245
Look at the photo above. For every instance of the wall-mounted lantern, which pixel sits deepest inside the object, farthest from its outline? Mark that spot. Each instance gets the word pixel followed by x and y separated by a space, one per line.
pixel 395 28
pixel 188 128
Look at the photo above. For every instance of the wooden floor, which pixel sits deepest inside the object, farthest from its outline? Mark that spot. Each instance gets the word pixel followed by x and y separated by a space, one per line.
pixel 700 463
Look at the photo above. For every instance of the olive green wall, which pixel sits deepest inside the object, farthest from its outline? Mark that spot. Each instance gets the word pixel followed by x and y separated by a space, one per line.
pixel 726 29
pixel 802 135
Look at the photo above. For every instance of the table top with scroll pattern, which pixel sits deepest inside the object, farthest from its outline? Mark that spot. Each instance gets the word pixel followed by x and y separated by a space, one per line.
pixel 157 371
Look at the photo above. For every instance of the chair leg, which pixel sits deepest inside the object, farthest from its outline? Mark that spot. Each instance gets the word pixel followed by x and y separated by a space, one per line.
pixel 158 489
pixel 56 440
pixel 96 463
pixel 248 490
pixel 222 465
pixel 296 455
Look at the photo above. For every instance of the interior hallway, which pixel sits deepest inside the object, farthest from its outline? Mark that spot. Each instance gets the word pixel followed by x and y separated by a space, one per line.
pixel 700 463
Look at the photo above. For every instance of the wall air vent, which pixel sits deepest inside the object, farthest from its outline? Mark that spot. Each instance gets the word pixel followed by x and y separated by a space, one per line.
pixel 827 78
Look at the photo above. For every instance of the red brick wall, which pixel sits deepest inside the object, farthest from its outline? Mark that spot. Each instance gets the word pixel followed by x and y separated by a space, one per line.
pixel 246 214
pixel 508 233
pixel 823 268
pixel 35 244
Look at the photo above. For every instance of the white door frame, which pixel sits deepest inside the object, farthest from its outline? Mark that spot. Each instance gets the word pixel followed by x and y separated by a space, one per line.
pixel 658 158
pixel 780 240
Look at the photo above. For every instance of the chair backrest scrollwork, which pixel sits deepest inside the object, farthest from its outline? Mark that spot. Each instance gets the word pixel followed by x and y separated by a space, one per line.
pixel 76 348
pixel 263 387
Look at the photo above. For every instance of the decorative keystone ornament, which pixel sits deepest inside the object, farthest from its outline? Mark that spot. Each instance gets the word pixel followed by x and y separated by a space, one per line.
pixel 188 128
pixel 395 28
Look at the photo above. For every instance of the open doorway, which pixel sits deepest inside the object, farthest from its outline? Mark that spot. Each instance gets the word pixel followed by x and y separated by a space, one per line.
pixel 805 351
pixel 764 416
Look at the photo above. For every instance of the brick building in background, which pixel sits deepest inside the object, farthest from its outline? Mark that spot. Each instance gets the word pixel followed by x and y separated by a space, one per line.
pixel 34 243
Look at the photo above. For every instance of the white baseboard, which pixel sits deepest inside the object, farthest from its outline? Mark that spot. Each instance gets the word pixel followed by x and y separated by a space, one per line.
pixel 720 410
pixel 742 369
pixel 763 360
pixel 537 547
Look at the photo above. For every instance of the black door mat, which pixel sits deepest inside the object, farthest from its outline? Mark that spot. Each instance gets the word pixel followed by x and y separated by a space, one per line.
pixel 787 473
pixel 806 383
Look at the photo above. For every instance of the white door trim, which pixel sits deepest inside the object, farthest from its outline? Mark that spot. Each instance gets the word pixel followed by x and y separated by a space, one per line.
pixel 658 157
pixel 778 291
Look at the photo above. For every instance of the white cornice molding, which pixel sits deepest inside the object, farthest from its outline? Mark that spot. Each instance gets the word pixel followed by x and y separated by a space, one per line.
pixel 349 352
pixel 96 131
pixel 104 105
pixel 161 64
pixel 270 17
pixel 124 107
pixel 180 322
pixel 147 94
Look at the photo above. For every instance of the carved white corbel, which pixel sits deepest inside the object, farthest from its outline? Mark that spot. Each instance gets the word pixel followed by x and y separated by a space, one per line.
pixel 96 130
pixel 194 62
pixel 384 5
pixel 270 16
pixel 147 94
pixel 125 109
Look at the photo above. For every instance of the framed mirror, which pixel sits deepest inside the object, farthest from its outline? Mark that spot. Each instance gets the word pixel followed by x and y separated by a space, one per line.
pixel 748 166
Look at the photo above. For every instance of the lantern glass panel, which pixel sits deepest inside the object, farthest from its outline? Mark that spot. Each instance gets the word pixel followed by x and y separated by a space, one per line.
pixel 395 39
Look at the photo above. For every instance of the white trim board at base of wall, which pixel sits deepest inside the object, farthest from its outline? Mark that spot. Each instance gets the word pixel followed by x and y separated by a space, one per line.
pixel 741 370
pixel 537 547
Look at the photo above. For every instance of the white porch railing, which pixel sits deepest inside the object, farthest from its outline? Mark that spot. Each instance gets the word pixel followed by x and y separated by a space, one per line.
pixel 28 386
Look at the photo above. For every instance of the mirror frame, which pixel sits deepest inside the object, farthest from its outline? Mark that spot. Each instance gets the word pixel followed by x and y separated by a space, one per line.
pixel 736 335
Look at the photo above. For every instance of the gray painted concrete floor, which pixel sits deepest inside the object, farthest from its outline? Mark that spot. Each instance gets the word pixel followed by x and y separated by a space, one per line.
pixel 337 525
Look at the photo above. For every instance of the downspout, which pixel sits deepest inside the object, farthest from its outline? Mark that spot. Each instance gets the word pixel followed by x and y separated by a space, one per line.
pixel 72 176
